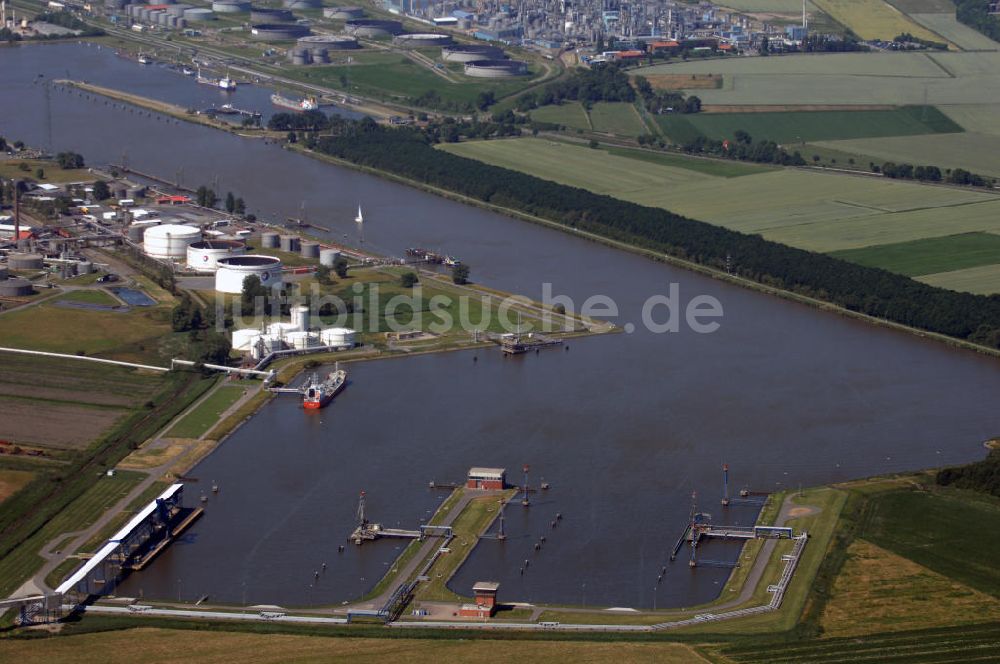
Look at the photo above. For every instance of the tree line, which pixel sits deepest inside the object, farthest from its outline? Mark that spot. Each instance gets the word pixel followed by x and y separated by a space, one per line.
pixel 932 174
pixel 408 152
pixel 976 15
pixel 979 476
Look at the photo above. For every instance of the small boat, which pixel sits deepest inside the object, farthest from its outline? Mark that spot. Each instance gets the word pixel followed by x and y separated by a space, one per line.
pixel 187 72
pixel 360 218
pixel 227 83
pixel 145 59
pixel 306 104
pixel 451 261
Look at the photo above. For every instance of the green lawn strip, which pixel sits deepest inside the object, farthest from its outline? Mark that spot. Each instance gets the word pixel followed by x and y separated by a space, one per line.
pixel 206 414
pixel 929 255
pixel 716 167
pixel 467 527
pixel 120 519
pixel 94 296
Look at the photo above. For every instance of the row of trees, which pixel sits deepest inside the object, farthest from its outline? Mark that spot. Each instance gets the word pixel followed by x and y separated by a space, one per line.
pixel 599 83
pixel 306 121
pixel 70 160
pixel 408 152
pixel 979 476
pixel 743 148
pixel 976 15
pixel 669 101
pixel 931 174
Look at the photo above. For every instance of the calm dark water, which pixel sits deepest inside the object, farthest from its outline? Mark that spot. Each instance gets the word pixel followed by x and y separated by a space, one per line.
pixel 624 427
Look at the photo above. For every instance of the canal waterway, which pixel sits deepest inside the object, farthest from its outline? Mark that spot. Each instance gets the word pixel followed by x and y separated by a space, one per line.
pixel 624 427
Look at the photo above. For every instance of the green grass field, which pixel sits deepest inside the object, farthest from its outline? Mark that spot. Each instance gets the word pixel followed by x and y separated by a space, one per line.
pixel 983 280
pixel 718 167
pixel 930 256
pixel 792 127
pixel 206 415
pixel 394 76
pixel 104 333
pixel 922 527
pixel 24 560
pixel 570 114
pixel 617 118
pixel 972 151
pixel 98 297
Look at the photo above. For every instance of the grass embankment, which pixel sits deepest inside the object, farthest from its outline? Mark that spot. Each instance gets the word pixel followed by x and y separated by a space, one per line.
pixel 12 481
pixel 90 296
pixel 155 644
pixel 206 415
pixel 11 169
pixel 22 562
pixel 467 528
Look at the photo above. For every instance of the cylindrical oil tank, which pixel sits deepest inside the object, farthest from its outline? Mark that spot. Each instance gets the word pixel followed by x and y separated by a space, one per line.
pixel 495 68
pixel 199 14
pixel 470 52
pixel 333 42
pixel 300 317
pixel 177 10
pixel 245 340
pixel 328 257
pixel 230 6
pixel 269 240
pixel 301 340
pixel 343 13
pixel 233 270
pixel 169 241
pixel 135 233
pixel 302 4
pixel 289 243
pixel 269 15
pixel 204 255
pixel 302 58
pixel 15 287
pixel 25 261
pixel 422 40
pixel 309 249
pixel 464 24
pixel 338 337
pixel 371 28
pixel 319 55
pixel 278 31
pixel 160 18
pixel 84 267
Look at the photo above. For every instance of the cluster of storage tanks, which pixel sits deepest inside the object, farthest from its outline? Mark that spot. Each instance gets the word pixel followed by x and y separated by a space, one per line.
pixel 343 13
pixel 169 16
pixel 295 335
pixel 278 31
pixel 371 28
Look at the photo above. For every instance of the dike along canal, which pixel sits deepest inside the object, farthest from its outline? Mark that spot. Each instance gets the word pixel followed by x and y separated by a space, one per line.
pixel 623 427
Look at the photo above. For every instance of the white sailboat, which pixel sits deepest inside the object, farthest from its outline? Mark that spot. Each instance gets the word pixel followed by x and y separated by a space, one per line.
pixel 360 218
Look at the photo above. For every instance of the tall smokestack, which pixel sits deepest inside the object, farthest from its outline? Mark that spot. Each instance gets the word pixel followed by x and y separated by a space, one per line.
pixel 17 211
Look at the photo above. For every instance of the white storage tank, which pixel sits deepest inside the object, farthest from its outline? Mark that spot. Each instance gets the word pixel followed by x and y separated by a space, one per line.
pixel 204 255
pixel 338 337
pixel 300 317
pixel 301 340
pixel 245 340
pixel 234 269
pixel 169 241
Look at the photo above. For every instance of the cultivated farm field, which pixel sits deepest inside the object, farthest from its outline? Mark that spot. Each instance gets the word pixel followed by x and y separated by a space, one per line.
pixel 795 126
pixel 957 33
pixel 930 255
pixel 569 114
pixel 810 209
pixel 983 280
pixel 873 19
pixel 972 151
pixel 616 118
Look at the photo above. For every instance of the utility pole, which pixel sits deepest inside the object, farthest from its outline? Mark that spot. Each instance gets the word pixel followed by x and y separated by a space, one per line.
pixel 524 500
